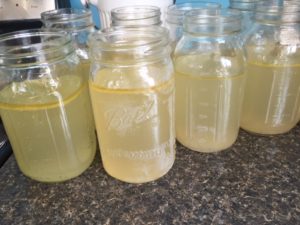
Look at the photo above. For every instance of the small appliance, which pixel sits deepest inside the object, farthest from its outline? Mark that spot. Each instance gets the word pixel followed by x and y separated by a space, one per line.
pixel 25 14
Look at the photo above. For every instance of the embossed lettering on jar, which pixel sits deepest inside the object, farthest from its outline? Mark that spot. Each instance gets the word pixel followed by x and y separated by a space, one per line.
pixel 132 92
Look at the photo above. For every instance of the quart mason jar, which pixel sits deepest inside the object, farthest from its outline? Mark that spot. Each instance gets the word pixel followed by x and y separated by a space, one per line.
pixel 136 16
pixel 272 104
pixel 175 15
pixel 209 78
pixel 77 22
pixel 43 105
pixel 132 92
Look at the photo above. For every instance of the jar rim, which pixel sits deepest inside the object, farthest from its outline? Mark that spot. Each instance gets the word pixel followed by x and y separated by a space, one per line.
pixel 66 14
pixel 176 13
pixel 226 22
pixel 243 5
pixel 244 1
pixel 277 13
pixel 68 19
pixel 103 39
pixel 135 12
pixel 128 46
pixel 34 43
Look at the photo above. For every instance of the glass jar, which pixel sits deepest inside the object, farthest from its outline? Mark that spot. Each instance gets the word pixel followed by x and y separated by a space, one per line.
pixel 272 91
pixel 132 93
pixel 209 77
pixel 77 22
pixel 43 105
pixel 106 6
pixel 247 8
pixel 136 16
pixel 175 15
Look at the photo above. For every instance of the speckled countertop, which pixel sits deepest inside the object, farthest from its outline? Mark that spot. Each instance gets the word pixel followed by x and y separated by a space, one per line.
pixel 256 181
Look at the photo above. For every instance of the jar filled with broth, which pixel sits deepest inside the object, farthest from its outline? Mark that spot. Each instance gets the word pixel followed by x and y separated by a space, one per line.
pixel 271 104
pixel 77 22
pixel 44 105
pixel 132 93
pixel 136 16
pixel 209 77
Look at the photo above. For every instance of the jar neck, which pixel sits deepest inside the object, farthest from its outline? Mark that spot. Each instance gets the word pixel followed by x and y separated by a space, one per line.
pixel 127 46
pixel 136 16
pixel 70 20
pixel 243 5
pixel 32 48
pixel 228 22
pixel 175 13
pixel 277 15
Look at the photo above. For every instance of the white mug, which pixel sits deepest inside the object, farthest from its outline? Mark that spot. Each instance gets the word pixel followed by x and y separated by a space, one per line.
pixel 105 6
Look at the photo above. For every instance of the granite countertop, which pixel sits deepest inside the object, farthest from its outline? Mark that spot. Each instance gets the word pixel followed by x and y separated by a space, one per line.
pixel 256 181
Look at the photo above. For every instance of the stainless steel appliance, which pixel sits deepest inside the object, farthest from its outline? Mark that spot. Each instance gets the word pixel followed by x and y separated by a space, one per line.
pixel 24 10
pixel 25 14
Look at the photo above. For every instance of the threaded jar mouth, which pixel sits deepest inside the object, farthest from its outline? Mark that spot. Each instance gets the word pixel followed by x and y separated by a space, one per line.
pixel 68 19
pixel 228 21
pixel 30 48
pixel 121 45
pixel 175 13
pixel 275 14
pixel 136 15
pixel 243 5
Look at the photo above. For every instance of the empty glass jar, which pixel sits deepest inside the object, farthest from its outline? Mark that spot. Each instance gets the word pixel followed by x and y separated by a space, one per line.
pixel 132 93
pixel 44 105
pixel 136 16
pixel 272 104
pixel 209 77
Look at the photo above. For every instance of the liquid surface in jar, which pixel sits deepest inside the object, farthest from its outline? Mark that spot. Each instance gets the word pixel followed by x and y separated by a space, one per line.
pixel 272 98
pixel 46 122
pixel 85 67
pixel 207 108
pixel 135 129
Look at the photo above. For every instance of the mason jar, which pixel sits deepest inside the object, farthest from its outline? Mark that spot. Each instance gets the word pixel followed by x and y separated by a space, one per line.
pixel 106 6
pixel 272 93
pixel 43 105
pixel 136 16
pixel 77 22
pixel 175 15
pixel 132 93
pixel 209 78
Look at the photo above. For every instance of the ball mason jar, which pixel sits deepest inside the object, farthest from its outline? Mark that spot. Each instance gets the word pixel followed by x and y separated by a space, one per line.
pixel 77 22
pixel 136 16
pixel 175 15
pixel 43 105
pixel 209 78
pixel 271 104
pixel 132 93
